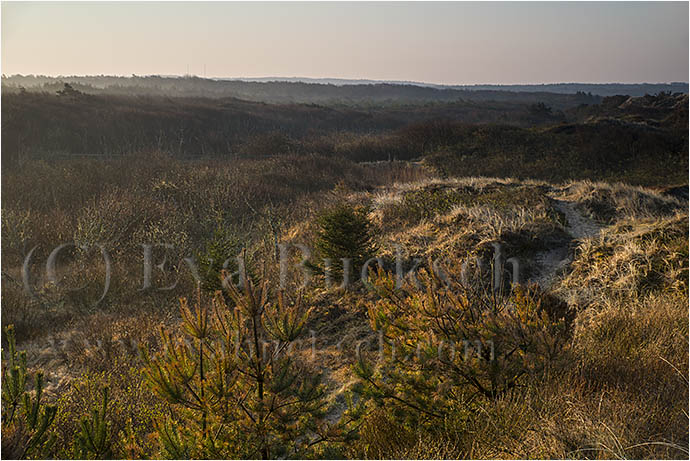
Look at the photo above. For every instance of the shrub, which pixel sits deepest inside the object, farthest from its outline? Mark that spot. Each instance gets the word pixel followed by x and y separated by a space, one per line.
pixel 219 253
pixel 95 440
pixel 235 387
pixel 426 203
pixel 344 232
pixel 447 345
pixel 25 419
pixel 16 231
pixel 124 426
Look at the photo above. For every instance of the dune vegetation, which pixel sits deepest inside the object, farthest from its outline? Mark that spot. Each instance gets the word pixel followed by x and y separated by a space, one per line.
pixel 198 277
pixel 585 354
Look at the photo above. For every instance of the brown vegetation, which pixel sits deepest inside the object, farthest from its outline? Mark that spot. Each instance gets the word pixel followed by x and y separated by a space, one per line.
pixel 592 363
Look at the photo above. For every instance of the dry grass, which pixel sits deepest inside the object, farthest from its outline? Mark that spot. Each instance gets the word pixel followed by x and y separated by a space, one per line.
pixel 630 258
pixel 609 203
pixel 622 392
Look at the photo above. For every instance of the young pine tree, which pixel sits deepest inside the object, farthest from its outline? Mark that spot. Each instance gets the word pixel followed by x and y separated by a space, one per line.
pixel 94 440
pixel 235 385
pixel 447 344
pixel 220 253
pixel 25 419
pixel 344 232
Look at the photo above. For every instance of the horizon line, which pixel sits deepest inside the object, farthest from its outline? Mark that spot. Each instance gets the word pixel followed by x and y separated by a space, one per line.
pixel 319 80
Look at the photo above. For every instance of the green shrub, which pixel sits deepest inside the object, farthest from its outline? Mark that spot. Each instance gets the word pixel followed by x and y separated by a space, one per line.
pixel 426 203
pixel 94 439
pixel 220 253
pixel 446 346
pixel 345 232
pixel 25 419
pixel 127 423
pixel 234 385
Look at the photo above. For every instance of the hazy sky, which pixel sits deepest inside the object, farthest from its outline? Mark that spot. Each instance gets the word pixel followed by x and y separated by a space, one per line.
pixel 433 42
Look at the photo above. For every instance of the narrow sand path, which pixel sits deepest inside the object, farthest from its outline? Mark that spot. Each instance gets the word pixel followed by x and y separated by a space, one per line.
pixel 578 226
pixel 552 262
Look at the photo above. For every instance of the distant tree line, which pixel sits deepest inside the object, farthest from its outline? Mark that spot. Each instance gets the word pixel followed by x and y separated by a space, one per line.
pixel 286 92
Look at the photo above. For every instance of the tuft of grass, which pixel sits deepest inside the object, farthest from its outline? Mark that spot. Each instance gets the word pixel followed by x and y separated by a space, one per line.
pixel 631 258
pixel 608 203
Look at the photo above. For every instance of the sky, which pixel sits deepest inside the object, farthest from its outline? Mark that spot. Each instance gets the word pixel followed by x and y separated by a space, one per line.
pixel 448 43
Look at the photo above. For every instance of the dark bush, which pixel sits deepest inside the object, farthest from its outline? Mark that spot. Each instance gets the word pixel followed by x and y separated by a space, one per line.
pixel 345 232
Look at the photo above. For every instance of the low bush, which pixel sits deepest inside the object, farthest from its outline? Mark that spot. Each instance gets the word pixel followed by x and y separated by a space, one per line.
pixel 25 419
pixel 220 253
pixel 235 387
pixel 344 231
pixel 447 344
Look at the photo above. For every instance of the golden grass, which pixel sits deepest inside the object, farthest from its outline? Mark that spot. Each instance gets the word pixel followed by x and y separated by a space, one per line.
pixel 621 392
